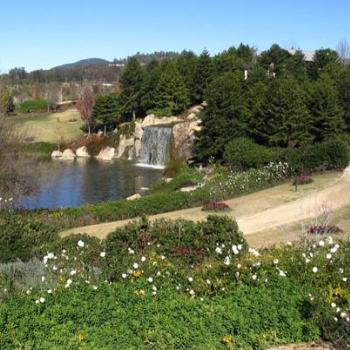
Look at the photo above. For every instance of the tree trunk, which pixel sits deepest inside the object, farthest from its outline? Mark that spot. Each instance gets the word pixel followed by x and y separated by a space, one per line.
pixel 89 130
pixel 133 115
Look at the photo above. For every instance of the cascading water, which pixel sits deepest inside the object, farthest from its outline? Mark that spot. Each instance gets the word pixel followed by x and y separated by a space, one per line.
pixel 155 146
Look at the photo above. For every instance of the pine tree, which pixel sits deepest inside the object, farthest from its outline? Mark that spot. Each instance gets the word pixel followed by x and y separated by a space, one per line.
pixel 344 94
pixel 225 117
pixel 131 82
pixel 325 108
pixel 286 114
pixel 202 77
pixel 107 111
pixel 171 95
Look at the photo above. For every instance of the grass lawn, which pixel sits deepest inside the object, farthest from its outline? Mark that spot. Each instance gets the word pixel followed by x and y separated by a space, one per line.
pixel 50 127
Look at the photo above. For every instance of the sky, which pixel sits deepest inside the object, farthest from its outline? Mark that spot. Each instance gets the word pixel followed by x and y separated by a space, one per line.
pixel 42 34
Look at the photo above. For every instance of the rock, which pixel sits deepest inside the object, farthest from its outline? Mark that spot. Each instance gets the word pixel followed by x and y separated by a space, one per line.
pixel 68 154
pixel 56 154
pixel 124 145
pixel 153 120
pixel 168 179
pixel 138 131
pixel 195 109
pixel 204 104
pixel 134 197
pixel 137 147
pixel 183 140
pixel 191 116
pixel 106 153
pixel 188 189
pixel 82 152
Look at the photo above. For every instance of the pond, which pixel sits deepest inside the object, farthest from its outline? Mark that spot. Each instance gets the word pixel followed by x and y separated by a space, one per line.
pixel 65 184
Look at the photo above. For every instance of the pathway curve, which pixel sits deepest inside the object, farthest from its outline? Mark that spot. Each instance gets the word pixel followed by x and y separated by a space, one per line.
pixel 336 196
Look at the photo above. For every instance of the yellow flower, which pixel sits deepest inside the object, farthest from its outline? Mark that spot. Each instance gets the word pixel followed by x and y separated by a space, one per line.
pixel 137 274
pixel 227 339
pixel 139 292
pixel 81 338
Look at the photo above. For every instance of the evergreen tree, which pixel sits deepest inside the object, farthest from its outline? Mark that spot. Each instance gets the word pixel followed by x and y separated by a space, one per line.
pixel 186 65
pixel 228 61
pixel 171 95
pixel 202 77
pixel 225 117
pixel 149 85
pixel 275 60
pixel 286 114
pixel 321 60
pixel 325 108
pixel 107 111
pixel 344 94
pixel 131 83
pixel 6 102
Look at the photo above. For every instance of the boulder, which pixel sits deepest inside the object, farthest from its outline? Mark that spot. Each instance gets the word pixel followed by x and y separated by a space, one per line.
pixel 183 140
pixel 56 154
pixel 153 120
pixel 68 154
pixel 82 152
pixel 137 147
pixel 195 109
pixel 191 116
pixel 124 145
pixel 133 197
pixel 106 153
pixel 138 131
pixel 188 189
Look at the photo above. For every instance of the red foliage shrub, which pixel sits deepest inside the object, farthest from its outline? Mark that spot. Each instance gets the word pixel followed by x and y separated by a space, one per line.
pixel 323 229
pixel 216 206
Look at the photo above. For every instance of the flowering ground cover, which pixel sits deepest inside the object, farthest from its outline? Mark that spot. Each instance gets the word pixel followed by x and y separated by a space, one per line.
pixel 176 285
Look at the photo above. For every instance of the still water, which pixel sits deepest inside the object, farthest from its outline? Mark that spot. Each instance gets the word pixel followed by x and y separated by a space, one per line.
pixel 86 181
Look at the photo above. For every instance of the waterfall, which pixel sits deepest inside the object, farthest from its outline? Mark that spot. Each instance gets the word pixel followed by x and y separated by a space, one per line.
pixel 155 146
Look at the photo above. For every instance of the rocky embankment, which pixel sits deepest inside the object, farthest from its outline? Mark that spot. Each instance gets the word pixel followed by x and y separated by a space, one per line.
pixel 129 145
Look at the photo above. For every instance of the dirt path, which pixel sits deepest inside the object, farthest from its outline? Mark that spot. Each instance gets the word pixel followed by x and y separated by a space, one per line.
pixel 262 210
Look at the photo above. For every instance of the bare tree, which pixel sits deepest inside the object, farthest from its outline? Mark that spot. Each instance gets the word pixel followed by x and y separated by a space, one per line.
pixel 85 105
pixel 343 49
pixel 18 169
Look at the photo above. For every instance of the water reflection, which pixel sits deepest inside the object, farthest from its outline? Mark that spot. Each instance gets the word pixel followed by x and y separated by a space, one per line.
pixel 88 181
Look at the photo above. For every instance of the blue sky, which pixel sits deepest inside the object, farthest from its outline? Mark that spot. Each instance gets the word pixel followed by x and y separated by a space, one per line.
pixel 41 34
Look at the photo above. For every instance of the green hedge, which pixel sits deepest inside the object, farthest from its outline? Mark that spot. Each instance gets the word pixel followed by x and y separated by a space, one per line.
pixel 33 106
pixel 242 153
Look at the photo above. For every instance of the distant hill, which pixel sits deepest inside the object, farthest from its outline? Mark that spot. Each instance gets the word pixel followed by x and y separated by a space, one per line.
pixel 83 63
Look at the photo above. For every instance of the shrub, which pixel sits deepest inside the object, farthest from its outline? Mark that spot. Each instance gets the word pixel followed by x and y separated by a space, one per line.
pixel 302 180
pixel 173 168
pixel 243 153
pixel 216 206
pixel 23 238
pixel 323 229
pixel 33 106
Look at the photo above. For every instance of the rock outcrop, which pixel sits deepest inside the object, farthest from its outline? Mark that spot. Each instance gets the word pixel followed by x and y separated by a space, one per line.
pixel 68 154
pixel 56 154
pixel 106 153
pixel 82 152
pixel 124 145
pixel 134 197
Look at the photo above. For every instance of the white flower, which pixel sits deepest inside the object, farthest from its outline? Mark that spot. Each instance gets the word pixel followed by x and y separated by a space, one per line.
pixel 218 250
pixel 321 243
pixel 190 279
pixel 69 281
pixel 54 268
pixel 192 292
pixel 239 247
pixel 37 301
pixel 162 257
pixel 73 272
pixel 329 256
pixel 282 273
pixel 235 250
pixel 49 291
pixel 334 305
pixel 330 239
pixel 253 252
pixel 341 270
pixel 102 254
pixel 135 265
pixel 131 251
pixel 94 287
pixel 239 266
pixel 81 243
pixel 150 279
pixel 42 300
pixel 275 261
pixel 208 281
pixel 227 261
pixel 42 278
pixel 254 277
pixel 28 292
pixel 343 314
pixel 154 293
pixel 345 279
pixel 124 275
pixel 50 255
pixel 314 269
pixel 143 258
pixel 154 288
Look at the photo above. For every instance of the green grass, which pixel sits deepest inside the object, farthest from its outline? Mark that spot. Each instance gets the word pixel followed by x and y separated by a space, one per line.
pixel 49 127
